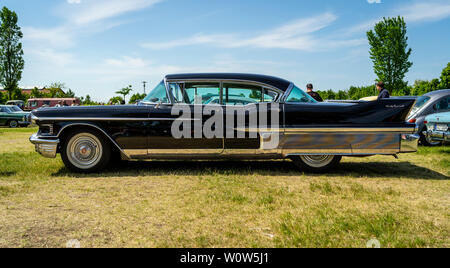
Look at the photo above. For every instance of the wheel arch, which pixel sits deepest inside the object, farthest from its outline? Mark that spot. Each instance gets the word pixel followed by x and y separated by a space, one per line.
pixel 67 128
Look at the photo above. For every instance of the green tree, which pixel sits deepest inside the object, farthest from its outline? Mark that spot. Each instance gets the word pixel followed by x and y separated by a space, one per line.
pixel 56 90
pixel 125 92
pixel 389 52
pixel 342 95
pixel 116 100
pixel 331 95
pixel 2 98
pixel 445 78
pixel 137 97
pixel 36 93
pixel 11 52
pixel 70 94
pixel 87 101
pixel 18 95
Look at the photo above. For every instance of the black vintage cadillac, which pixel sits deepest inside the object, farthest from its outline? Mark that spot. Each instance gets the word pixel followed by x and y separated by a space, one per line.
pixel 223 116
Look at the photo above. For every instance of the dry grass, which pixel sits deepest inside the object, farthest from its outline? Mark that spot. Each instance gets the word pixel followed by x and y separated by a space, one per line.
pixel 402 203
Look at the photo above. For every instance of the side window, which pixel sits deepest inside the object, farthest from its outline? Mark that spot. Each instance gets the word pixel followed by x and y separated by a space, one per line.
pixel 443 104
pixel 200 93
pixel 240 94
pixel 269 95
pixel 298 95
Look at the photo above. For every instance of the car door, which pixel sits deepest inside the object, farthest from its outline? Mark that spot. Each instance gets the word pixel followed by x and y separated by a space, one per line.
pixel 183 132
pixel 3 116
pixel 251 116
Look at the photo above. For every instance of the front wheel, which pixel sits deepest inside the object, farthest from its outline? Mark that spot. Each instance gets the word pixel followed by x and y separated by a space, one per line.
pixel 316 163
pixel 13 124
pixel 85 151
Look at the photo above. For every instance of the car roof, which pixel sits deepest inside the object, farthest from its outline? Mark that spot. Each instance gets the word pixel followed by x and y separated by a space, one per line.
pixel 438 93
pixel 276 82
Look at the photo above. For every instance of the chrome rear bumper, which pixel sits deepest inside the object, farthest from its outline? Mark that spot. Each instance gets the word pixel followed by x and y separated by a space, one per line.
pixel 437 135
pixel 409 143
pixel 45 147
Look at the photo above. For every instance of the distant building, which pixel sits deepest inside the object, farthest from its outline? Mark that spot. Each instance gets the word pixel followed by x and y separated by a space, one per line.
pixel 28 91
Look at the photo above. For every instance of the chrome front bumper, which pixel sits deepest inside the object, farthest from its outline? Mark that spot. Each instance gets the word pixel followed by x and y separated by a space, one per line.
pixel 409 143
pixel 437 135
pixel 47 148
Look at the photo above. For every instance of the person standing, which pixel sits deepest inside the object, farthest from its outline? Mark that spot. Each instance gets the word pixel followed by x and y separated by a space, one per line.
pixel 384 93
pixel 314 95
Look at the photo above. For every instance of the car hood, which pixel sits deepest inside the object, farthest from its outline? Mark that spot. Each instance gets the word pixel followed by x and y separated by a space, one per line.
pixel 439 118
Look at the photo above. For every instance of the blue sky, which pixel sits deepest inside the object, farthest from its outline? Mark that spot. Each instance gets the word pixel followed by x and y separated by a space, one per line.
pixel 97 47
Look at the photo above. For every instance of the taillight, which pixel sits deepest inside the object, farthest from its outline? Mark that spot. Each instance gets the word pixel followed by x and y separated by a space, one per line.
pixel 425 122
pixel 412 120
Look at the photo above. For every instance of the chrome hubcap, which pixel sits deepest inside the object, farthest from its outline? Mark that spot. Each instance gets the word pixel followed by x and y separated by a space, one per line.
pixel 84 150
pixel 13 124
pixel 317 161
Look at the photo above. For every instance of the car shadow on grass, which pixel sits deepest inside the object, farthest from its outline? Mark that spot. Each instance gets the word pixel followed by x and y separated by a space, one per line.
pixel 261 168
pixel 7 173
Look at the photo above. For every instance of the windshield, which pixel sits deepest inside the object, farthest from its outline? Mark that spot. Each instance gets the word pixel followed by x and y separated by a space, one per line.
pixel 421 101
pixel 158 94
pixel 298 95
pixel 15 109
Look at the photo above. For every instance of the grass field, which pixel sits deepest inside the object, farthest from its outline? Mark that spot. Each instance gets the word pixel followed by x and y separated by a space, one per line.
pixel 402 203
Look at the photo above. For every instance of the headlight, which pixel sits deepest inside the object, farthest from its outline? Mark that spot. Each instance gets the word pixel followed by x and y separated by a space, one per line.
pixel 46 129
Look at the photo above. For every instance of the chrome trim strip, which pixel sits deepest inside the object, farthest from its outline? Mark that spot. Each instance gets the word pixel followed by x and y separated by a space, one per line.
pixel 184 151
pixel 291 131
pixel 292 152
pixel 110 119
pixel 251 82
pixel 294 131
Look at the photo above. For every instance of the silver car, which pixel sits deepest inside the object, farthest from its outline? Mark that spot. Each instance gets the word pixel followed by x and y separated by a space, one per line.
pixel 430 103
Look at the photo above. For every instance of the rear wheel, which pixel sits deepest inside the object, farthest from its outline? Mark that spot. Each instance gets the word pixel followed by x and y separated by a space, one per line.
pixel 426 141
pixel 316 163
pixel 85 151
pixel 13 124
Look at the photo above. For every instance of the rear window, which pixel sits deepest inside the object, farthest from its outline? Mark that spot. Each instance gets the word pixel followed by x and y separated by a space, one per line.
pixel 421 101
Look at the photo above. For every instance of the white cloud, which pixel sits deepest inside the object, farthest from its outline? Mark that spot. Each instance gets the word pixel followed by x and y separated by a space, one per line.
pixel 413 13
pixel 374 1
pixel 55 37
pixel 97 10
pixel 54 58
pixel 129 62
pixel 74 1
pixel 427 11
pixel 297 35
